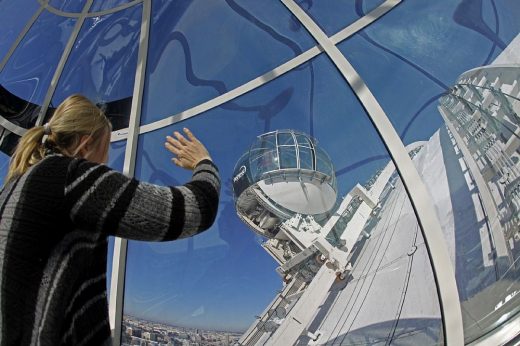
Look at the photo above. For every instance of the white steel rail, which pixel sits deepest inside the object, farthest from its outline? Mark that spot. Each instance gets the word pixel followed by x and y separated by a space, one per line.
pixel 121 245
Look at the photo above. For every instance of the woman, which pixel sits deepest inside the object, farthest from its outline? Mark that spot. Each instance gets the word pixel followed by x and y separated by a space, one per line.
pixel 58 206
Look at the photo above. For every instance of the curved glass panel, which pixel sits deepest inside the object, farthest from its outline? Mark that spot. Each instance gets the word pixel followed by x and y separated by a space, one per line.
pixel 288 157
pixel 102 64
pixel 101 5
pixel 230 43
pixel 13 21
pixel 303 141
pixel 332 16
pixel 465 126
pixel 285 139
pixel 27 75
pixel 411 55
pixel 74 6
pixel 306 158
pixel 211 286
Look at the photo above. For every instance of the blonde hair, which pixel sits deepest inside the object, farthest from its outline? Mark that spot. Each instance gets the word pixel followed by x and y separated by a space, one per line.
pixel 74 118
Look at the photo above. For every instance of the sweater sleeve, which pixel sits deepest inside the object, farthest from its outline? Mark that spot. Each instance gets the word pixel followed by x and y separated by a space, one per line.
pixel 104 200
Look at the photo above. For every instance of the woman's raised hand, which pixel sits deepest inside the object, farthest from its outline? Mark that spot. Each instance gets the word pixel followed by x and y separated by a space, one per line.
pixel 189 151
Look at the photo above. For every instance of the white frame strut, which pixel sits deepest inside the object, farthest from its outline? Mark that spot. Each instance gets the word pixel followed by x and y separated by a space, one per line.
pixel 419 196
pixel 121 245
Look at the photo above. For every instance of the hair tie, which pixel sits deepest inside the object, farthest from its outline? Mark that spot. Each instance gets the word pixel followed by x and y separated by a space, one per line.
pixel 47 129
pixel 46 132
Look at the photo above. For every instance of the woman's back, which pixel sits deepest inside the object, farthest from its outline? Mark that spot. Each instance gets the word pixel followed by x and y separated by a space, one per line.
pixel 55 220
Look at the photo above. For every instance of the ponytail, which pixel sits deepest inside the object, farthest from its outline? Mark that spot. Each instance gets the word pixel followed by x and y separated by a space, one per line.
pixel 28 152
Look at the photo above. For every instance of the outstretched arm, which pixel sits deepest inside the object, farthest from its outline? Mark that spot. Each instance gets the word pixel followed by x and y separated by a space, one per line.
pixel 104 200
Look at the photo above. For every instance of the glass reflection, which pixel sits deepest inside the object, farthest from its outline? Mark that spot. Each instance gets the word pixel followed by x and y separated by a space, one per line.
pixel 13 21
pixel 332 16
pixel 467 123
pixel 101 5
pixel 74 6
pixel 230 42
pixel 482 135
pixel 102 63
pixel 28 73
pixel 211 286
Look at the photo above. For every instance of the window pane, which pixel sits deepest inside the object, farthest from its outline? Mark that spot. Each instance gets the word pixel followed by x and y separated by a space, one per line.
pixel 13 21
pixel 26 77
pixel 102 63
pixel 303 141
pixel 306 158
pixel 263 160
pixel 288 157
pixel 332 16
pixel 285 139
pixel 101 5
pixel 230 43
pixel 74 6
pixel 263 156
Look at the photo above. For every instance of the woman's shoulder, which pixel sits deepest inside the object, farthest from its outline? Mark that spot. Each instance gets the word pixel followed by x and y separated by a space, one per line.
pixel 61 167
pixel 52 162
pixel 51 166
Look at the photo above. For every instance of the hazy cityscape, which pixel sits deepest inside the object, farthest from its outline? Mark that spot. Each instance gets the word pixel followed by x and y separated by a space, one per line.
pixel 140 332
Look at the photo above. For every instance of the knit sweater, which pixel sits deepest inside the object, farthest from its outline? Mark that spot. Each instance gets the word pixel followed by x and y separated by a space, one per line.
pixel 55 221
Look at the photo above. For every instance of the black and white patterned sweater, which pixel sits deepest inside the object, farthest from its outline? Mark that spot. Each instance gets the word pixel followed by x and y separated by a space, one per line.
pixel 55 220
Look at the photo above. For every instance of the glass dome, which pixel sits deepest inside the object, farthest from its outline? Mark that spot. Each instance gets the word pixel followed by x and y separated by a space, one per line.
pixel 411 236
pixel 282 174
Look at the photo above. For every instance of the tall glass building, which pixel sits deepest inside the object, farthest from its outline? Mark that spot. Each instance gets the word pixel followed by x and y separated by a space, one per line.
pixel 404 114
